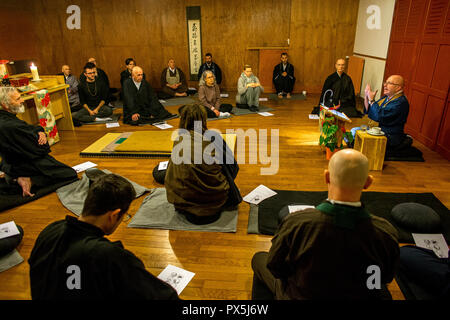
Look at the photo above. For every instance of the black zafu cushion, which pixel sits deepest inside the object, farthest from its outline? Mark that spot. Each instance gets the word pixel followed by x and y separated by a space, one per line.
pixel 416 217
pixel 242 105
pixel 9 244
pixel 159 175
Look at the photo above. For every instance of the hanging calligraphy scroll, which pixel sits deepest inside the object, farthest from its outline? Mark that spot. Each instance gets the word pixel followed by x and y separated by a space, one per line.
pixel 194 40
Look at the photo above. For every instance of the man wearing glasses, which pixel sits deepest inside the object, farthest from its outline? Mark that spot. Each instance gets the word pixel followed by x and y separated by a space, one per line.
pixel 391 112
pixel 93 96
pixel 73 260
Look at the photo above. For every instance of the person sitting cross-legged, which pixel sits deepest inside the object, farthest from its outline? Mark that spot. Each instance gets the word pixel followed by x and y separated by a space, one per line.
pixel 73 260
pixel 209 95
pixel 173 81
pixel 93 95
pixel 249 89
pixel 200 190
pixel 330 252
pixel 141 105
pixel 24 150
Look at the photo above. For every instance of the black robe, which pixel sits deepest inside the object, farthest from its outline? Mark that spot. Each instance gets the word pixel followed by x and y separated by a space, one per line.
pixel 215 70
pixel 124 75
pixel 107 270
pixel 343 94
pixel 143 101
pixel 281 83
pixel 22 156
pixel 98 87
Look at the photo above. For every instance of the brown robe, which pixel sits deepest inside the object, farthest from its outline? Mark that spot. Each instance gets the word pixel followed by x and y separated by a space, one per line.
pixel 200 189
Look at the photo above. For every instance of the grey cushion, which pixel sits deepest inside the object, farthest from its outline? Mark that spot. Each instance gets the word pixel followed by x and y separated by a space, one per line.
pixel 416 217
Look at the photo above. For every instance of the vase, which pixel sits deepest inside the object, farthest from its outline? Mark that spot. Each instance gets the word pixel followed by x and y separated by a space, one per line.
pixel 330 153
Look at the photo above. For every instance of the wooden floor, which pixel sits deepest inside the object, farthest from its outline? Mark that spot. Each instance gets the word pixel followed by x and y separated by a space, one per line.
pixel 221 261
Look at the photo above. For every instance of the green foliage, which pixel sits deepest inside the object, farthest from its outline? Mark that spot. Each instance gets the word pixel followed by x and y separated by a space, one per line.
pixel 329 138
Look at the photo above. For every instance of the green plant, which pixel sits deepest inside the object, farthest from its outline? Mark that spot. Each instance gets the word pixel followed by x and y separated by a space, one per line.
pixel 332 134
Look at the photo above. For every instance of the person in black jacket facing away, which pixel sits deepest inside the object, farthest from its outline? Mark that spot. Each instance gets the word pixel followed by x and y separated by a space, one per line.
pixel 72 260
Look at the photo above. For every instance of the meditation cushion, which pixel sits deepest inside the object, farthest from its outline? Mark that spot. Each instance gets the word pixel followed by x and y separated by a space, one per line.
pixel 9 244
pixel 159 175
pixel 416 217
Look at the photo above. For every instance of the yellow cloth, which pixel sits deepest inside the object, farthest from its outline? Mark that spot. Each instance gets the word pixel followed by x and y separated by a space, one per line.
pixel 151 141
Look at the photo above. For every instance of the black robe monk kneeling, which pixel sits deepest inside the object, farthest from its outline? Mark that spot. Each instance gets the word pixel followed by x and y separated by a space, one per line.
pixel 22 156
pixel 144 102
pixel 343 94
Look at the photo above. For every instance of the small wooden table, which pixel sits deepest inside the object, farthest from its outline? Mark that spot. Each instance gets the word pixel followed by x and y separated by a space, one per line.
pixel 58 96
pixel 373 147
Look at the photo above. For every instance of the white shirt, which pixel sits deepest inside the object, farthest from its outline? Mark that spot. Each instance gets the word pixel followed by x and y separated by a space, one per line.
pixel 351 204
pixel 137 84
pixel 173 70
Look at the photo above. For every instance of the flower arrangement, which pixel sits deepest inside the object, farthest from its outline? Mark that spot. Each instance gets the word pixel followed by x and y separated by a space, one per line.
pixel 333 133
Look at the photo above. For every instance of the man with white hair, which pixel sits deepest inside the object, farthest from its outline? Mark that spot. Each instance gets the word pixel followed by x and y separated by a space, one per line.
pixel 141 105
pixel 24 149
pixel 72 91
pixel 327 252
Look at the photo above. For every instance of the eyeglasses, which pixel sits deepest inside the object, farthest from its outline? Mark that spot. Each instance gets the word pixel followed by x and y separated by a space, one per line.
pixel 387 82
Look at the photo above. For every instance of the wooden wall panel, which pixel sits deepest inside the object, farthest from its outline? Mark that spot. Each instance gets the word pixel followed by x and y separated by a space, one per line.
pixel 153 31
pixel 230 27
pixel 432 119
pixel 17 38
pixel 420 32
pixel 443 144
pixel 417 103
pixel 425 64
pixel 441 79
pixel 321 32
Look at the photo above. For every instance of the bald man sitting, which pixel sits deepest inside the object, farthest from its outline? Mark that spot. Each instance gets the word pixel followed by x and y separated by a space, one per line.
pixel 173 81
pixel 327 252
pixel 343 91
pixel 391 112
pixel 141 105
pixel 72 91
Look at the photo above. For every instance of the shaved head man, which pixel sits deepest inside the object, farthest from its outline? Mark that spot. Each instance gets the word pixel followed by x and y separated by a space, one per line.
pixel 340 66
pixel 342 95
pixel 72 91
pixel 347 175
pixel 391 112
pixel 141 105
pixel 173 81
pixel 137 74
pixel 325 252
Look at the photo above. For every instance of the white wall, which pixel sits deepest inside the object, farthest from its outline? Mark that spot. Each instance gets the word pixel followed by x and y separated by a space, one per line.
pixel 373 75
pixel 372 39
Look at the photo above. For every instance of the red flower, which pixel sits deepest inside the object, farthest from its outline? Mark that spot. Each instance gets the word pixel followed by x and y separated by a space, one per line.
pixel 5 76
pixel 53 133
pixel 43 122
pixel 46 100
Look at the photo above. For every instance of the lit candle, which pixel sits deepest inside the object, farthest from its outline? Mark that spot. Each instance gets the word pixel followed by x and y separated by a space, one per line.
pixel 34 72
pixel 3 70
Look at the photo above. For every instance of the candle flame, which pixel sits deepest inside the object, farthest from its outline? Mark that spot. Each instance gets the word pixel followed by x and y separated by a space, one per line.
pixel 32 64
